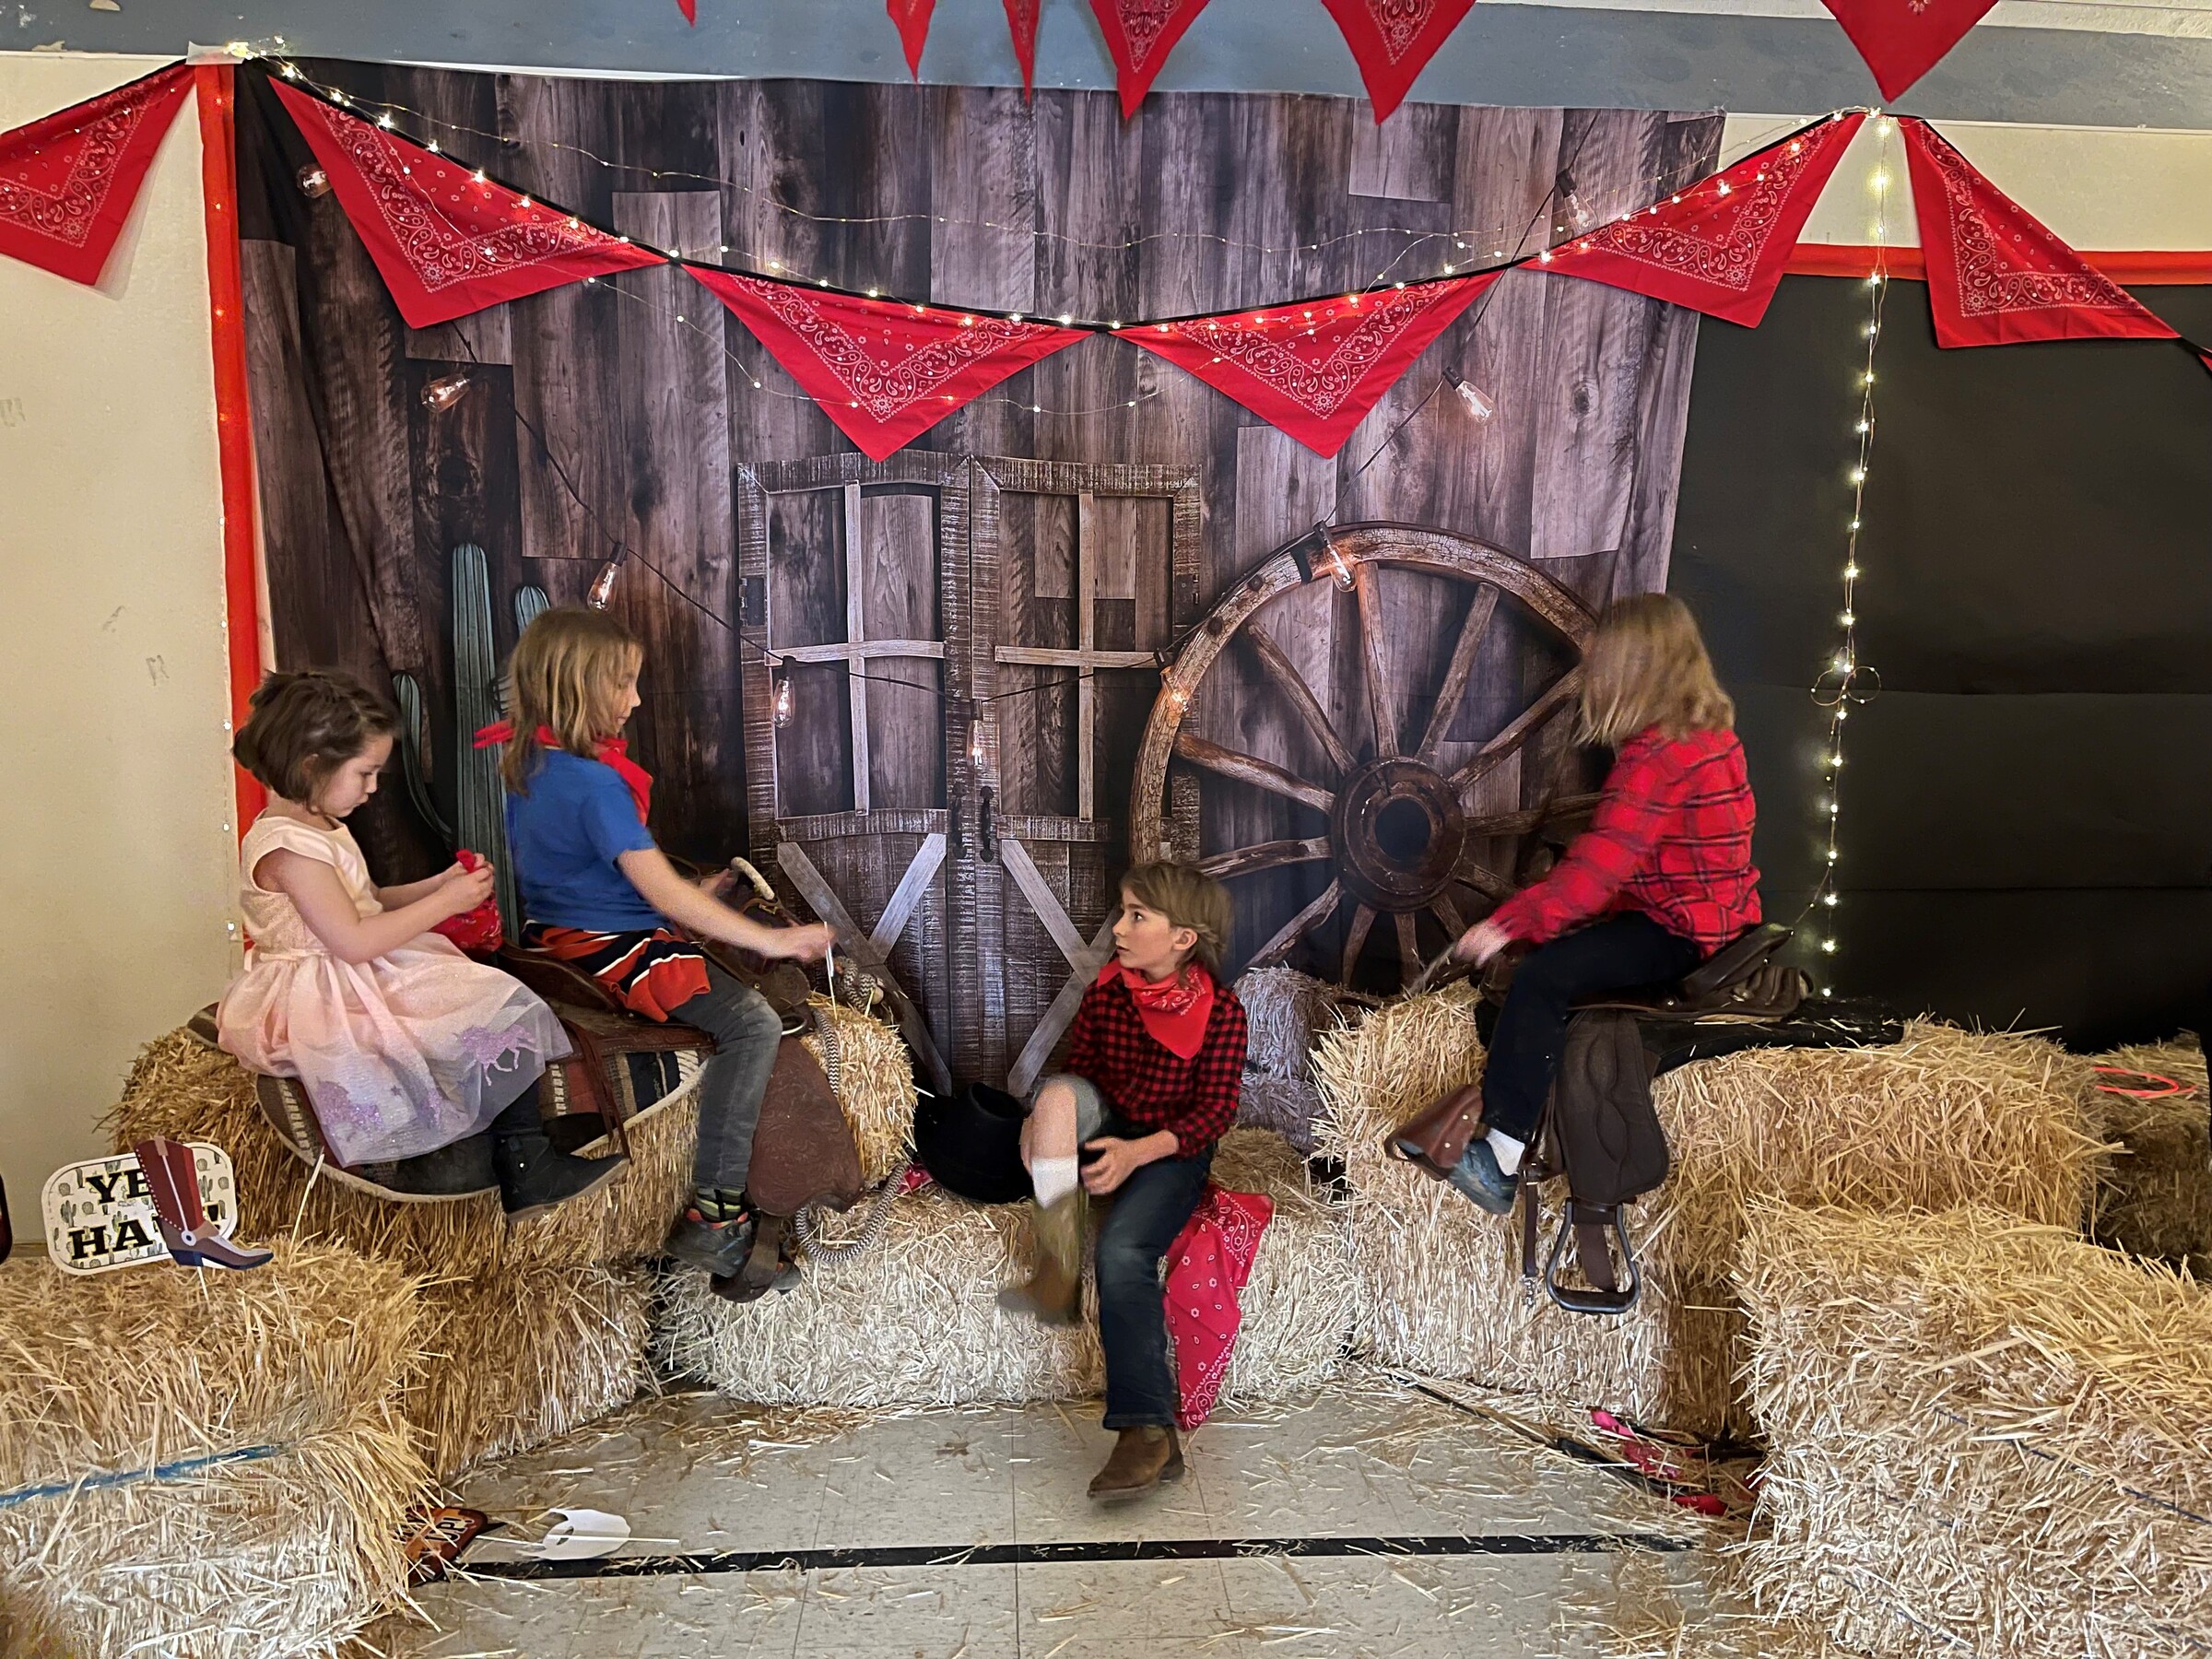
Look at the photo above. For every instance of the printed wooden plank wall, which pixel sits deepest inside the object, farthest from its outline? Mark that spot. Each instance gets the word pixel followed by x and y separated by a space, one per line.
pixel 626 413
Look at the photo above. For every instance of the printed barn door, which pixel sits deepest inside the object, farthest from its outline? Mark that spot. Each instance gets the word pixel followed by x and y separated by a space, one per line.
pixel 1078 575
pixel 846 566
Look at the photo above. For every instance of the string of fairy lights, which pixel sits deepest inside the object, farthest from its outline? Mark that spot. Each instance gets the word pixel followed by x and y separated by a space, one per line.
pixel 1847 682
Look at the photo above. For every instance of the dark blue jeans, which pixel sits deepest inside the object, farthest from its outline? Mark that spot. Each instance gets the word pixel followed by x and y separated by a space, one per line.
pixel 747 1033
pixel 1619 955
pixel 1149 1210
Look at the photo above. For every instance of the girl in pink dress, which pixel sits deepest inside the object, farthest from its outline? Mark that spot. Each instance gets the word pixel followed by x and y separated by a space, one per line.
pixel 403 1043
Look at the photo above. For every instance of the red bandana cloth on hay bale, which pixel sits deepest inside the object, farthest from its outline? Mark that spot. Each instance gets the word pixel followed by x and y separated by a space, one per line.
pixel 1996 276
pixel 1722 245
pixel 1139 35
pixel 447 240
pixel 68 182
pixel 885 370
pixel 1902 40
pixel 1314 367
pixel 1393 41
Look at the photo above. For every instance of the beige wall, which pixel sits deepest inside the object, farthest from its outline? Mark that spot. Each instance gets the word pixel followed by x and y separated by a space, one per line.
pixel 115 839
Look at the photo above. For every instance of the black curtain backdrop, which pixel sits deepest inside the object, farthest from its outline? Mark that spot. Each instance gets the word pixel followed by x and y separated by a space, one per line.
pixel 2027 809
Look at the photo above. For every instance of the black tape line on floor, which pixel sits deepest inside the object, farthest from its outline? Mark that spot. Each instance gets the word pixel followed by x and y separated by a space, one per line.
pixel 1135 1550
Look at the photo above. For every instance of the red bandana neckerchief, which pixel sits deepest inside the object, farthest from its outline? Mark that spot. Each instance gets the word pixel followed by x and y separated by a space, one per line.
pixel 1174 1011
pixel 614 752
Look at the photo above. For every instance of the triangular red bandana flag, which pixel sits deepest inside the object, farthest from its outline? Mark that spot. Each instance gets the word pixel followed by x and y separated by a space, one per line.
pixel 885 370
pixel 690 10
pixel 68 182
pixel 1139 35
pixel 912 18
pixel 1021 23
pixel 1902 42
pixel 1394 40
pixel 1720 246
pixel 447 240
pixel 1314 367
pixel 1996 275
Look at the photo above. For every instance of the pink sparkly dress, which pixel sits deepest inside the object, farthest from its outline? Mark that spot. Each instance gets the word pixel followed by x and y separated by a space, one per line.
pixel 399 1055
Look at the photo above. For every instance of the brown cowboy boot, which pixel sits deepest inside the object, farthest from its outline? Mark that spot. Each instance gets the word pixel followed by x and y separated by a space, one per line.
pixel 1141 1459
pixel 1056 1284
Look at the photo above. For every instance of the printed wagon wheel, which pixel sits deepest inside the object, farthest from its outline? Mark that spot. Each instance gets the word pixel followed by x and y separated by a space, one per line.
pixel 1399 832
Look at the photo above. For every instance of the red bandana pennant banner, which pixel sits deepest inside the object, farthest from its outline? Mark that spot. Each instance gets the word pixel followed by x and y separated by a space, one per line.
pixel 1902 42
pixel 447 240
pixel 912 18
pixel 1996 275
pixel 1315 368
pixel 68 182
pixel 690 10
pixel 1021 23
pixel 1393 41
pixel 1722 245
pixel 883 369
pixel 1139 35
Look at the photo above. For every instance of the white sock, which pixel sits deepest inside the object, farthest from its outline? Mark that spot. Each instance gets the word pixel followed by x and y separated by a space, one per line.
pixel 1508 1151
pixel 1052 1179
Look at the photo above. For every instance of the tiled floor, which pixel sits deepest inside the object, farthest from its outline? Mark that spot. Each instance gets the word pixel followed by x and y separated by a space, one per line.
pixel 1553 1553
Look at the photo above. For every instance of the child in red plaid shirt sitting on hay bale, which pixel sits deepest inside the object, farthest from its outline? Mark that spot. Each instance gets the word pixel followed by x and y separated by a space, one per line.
pixel 1661 879
pixel 1153 1063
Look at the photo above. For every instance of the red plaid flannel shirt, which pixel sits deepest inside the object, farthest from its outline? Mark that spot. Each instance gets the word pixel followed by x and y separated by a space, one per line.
pixel 1146 1083
pixel 1671 838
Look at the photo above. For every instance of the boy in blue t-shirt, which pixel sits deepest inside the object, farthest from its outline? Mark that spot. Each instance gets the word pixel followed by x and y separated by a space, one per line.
pixel 596 892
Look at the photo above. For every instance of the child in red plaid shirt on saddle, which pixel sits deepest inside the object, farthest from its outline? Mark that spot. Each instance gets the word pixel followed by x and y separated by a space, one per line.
pixel 1154 1065
pixel 1661 879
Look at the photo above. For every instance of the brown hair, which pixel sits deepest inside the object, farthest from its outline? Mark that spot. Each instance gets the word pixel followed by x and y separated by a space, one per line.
pixel 1187 898
pixel 567 671
pixel 304 726
pixel 1646 666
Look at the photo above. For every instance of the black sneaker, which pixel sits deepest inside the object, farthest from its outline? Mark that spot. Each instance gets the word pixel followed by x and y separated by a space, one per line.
pixel 1478 1176
pixel 720 1247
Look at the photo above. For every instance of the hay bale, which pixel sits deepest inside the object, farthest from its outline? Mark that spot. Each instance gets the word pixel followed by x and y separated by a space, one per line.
pixel 232 1459
pixel 286 1556
pixel 181 1088
pixel 917 1321
pixel 1285 1011
pixel 2156 1196
pixel 134 1370
pixel 1942 1117
pixel 1986 1431
pixel 525 1353
pixel 875 1084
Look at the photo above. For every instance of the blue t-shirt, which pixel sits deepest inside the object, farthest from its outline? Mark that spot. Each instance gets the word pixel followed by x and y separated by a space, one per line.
pixel 564 836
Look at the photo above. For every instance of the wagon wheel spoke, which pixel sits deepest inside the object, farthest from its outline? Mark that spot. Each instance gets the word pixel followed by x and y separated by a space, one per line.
pixel 1265 855
pixel 1472 871
pixel 1456 676
pixel 1375 658
pixel 1530 819
pixel 1251 768
pixel 1288 680
pixel 1313 915
pixel 1355 940
pixel 1447 912
pixel 1494 753
pixel 1409 949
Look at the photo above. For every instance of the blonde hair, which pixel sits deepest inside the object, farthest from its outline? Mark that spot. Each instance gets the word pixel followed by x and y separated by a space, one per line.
pixel 565 676
pixel 1646 666
pixel 1187 898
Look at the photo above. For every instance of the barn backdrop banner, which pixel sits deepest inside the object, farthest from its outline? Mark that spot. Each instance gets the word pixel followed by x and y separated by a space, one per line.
pixel 923 691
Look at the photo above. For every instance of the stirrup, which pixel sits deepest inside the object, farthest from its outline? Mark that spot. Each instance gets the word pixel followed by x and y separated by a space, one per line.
pixel 1576 1299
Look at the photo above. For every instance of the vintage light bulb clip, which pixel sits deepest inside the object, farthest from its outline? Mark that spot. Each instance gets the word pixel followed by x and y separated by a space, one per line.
pixel 1480 405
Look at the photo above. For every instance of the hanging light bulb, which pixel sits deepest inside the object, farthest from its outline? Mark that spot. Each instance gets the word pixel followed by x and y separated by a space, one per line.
pixel 602 584
pixel 313 182
pixel 1577 210
pixel 783 703
pixel 444 392
pixel 1479 404
pixel 975 736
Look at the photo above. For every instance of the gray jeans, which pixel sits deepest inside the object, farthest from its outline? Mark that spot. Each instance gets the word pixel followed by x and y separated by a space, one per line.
pixel 745 1031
